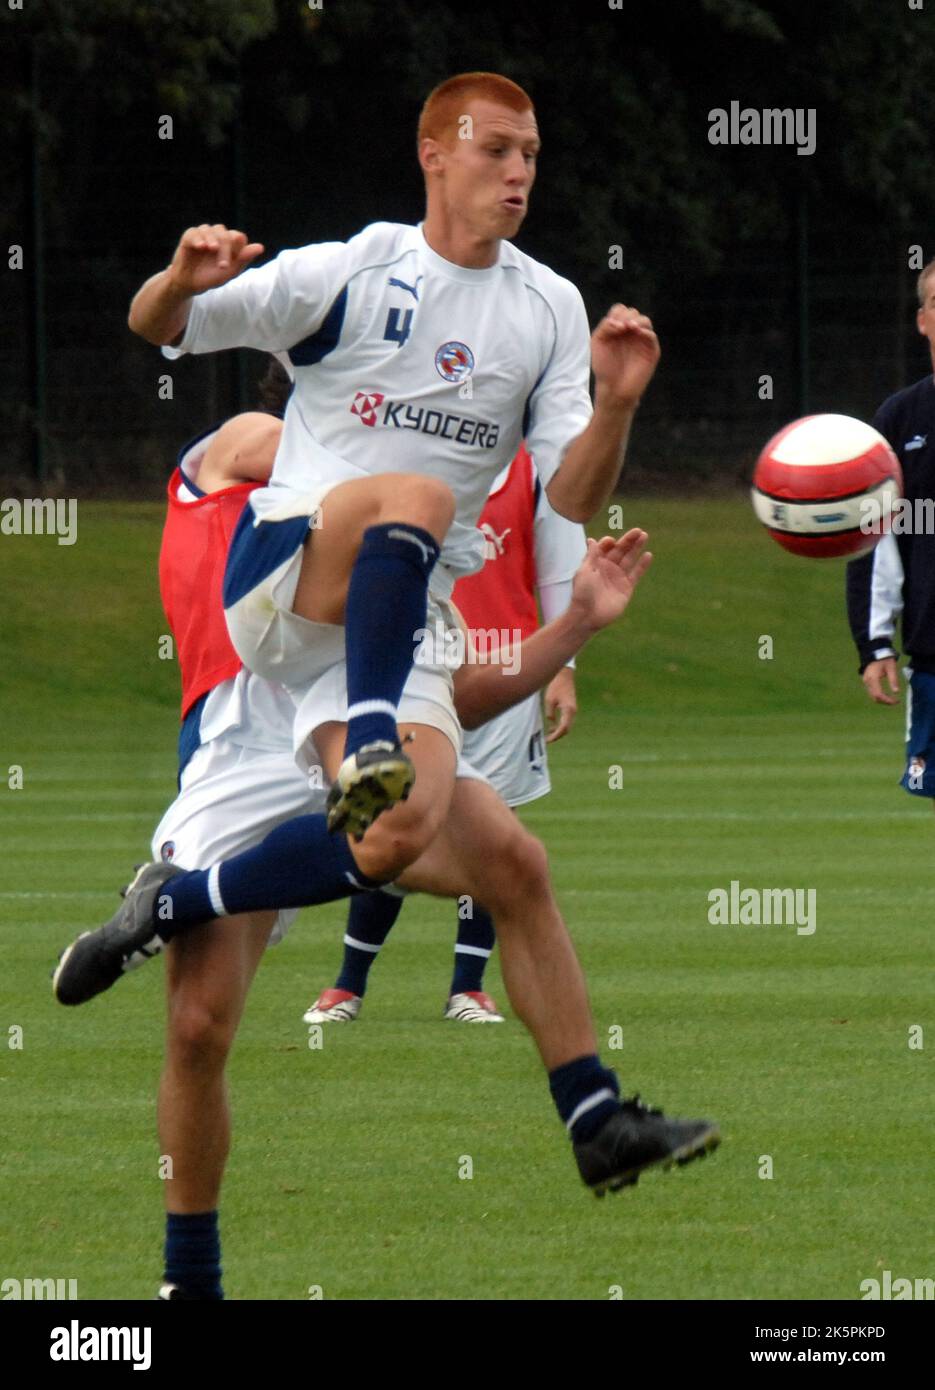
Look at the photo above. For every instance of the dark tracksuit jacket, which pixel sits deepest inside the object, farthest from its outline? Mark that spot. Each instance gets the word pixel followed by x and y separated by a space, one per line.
pixel 898 575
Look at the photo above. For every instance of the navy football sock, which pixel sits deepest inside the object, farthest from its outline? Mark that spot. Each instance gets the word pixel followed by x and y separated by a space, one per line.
pixel 586 1095
pixel 385 608
pixel 476 937
pixel 297 865
pixel 369 923
pixel 193 1253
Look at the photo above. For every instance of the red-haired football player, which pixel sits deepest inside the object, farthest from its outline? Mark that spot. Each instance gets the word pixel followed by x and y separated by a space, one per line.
pixel 422 356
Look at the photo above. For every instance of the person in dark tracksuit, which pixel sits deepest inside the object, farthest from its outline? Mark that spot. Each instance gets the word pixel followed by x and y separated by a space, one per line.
pixel 897 577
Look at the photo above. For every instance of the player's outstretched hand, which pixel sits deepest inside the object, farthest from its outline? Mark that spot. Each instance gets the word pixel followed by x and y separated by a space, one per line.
pixel 608 575
pixel 210 256
pixel 624 355
pixel 875 674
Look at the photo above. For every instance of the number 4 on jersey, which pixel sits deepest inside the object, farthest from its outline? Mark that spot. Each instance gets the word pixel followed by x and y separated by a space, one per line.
pixel 394 331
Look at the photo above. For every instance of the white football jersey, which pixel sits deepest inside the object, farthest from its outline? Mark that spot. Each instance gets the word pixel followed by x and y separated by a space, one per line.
pixel 407 363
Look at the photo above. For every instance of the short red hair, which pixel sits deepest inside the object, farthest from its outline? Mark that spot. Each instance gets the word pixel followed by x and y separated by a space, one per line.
pixel 444 106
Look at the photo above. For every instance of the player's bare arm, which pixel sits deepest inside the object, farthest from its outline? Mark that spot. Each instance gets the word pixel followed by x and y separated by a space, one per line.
pixel 602 589
pixel 242 451
pixel 624 355
pixel 206 256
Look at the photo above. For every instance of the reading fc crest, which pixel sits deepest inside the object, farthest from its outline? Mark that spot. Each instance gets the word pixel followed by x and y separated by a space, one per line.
pixel 454 361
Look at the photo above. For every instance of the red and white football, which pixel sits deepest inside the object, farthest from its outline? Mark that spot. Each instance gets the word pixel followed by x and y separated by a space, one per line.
pixel 826 485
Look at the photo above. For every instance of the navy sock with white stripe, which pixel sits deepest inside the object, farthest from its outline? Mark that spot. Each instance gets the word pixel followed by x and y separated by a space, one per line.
pixel 385 608
pixel 585 1094
pixel 369 922
pixel 298 864
pixel 476 938
pixel 193 1253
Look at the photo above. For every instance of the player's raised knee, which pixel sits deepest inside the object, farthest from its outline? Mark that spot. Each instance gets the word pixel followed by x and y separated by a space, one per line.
pixel 422 501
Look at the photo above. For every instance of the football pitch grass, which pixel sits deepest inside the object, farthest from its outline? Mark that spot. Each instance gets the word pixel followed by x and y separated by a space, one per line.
pixel 346 1168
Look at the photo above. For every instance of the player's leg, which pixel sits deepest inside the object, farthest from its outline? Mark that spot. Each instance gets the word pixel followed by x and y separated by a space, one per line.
pixel 509 752
pixel 343 518
pixel 298 864
pixel 403 833
pixel 919 776
pixel 357 553
pixel 208 974
pixel 370 919
pixel 367 564
pixel 483 850
pixel 468 1002
pixel 232 794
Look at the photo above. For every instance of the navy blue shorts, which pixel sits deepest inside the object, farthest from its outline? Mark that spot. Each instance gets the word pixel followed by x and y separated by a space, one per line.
pixel 919 776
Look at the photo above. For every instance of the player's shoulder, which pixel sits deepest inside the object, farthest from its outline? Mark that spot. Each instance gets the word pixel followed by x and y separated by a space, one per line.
pixel 379 243
pixel 384 238
pixel 562 294
pixel 902 403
